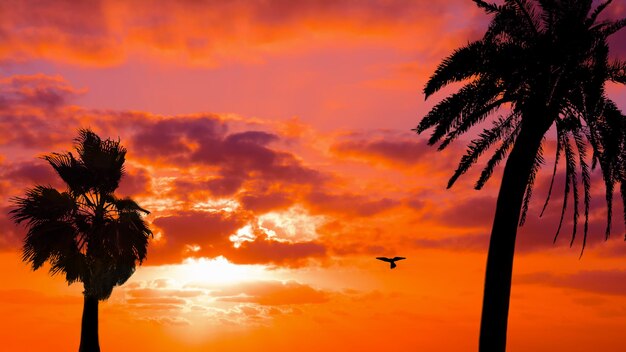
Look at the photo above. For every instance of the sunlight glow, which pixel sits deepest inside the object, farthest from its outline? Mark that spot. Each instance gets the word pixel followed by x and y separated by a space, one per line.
pixel 218 205
pixel 217 271
pixel 294 224
pixel 242 235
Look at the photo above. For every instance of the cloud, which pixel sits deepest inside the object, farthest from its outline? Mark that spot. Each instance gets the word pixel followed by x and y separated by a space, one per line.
pixel 136 181
pixel 264 202
pixel 609 282
pixel 272 293
pixel 30 173
pixel 11 235
pixel 34 111
pixel 237 157
pixel 461 243
pixel 210 231
pixel 106 33
pixel 38 91
pixel 406 151
pixel 265 250
pixel 209 234
pixel 161 302
pixel 477 211
pixel 160 293
pixel 349 204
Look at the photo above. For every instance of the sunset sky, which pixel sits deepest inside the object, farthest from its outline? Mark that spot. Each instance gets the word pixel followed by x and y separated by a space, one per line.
pixel 271 140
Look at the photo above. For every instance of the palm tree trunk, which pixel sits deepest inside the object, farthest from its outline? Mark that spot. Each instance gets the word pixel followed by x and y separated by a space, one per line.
pixel 502 243
pixel 89 328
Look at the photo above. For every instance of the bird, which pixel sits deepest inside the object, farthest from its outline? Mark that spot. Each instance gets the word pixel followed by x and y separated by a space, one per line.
pixel 391 260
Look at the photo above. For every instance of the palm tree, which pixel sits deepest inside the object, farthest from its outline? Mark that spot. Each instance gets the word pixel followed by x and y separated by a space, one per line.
pixel 543 65
pixel 85 232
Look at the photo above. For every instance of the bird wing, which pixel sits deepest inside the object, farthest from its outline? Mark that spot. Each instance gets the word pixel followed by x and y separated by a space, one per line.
pixel 384 259
pixel 398 258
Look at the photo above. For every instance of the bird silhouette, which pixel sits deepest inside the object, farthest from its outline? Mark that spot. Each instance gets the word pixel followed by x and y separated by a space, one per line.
pixel 391 260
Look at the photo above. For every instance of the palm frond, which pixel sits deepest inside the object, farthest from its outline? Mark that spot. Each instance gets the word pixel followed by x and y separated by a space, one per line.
pixel 586 179
pixel 594 16
pixel 469 100
pixel 461 65
pixel 565 143
pixel 71 171
pixel 529 15
pixel 571 175
pixel 41 204
pixel 559 148
pixel 47 240
pixel 488 7
pixel 609 28
pixel 469 120
pixel 617 72
pixel 484 141
pixel 498 156
pixel 103 160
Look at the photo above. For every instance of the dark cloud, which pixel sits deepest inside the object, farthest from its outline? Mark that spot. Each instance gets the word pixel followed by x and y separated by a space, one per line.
pixel 30 173
pixel 264 202
pixel 36 91
pixel 238 157
pixel 34 112
pixel 135 181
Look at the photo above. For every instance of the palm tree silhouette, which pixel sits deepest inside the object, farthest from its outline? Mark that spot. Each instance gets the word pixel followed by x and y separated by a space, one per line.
pixel 85 232
pixel 544 64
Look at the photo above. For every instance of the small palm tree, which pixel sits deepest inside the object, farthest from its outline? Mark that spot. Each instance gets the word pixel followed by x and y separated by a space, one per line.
pixel 544 64
pixel 85 232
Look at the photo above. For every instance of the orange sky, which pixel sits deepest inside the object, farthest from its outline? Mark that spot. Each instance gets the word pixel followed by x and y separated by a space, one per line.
pixel 271 141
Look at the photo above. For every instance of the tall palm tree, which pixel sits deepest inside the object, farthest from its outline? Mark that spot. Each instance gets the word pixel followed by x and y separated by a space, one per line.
pixel 85 232
pixel 543 65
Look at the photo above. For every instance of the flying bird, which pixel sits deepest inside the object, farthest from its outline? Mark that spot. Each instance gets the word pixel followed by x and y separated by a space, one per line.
pixel 391 260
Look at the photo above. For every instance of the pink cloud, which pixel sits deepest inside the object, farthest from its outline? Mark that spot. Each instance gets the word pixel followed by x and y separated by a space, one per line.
pixel 105 33
pixel 135 181
pixel 396 149
pixel 40 91
pixel 30 173
pixel 348 204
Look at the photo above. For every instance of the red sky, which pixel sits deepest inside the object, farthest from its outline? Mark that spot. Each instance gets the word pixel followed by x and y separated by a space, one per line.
pixel 271 141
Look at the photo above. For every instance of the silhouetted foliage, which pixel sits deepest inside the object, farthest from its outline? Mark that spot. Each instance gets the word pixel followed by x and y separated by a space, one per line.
pixel 85 232
pixel 544 64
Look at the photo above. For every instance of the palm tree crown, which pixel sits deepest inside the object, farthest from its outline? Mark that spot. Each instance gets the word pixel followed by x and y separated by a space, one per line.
pixel 545 63
pixel 85 232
